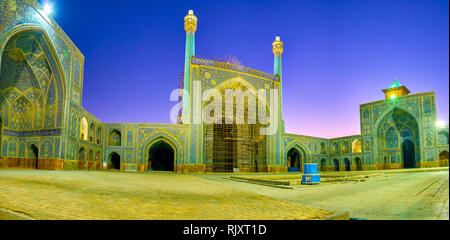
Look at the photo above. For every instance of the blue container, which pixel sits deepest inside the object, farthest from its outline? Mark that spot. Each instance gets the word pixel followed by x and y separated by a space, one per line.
pixel 311 175
pixel 311 168
pixel 311 179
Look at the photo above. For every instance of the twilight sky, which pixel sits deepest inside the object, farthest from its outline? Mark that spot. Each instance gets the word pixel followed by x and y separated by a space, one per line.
pixel 338 54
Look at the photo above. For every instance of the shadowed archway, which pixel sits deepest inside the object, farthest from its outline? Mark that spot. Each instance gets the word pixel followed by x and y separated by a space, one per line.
pixel 335 165
pixel 358 164
pixel 114 159
pixel 98 161
pixel 161 157
pixel 323 165
pixel 347 165
pixel 294 160
pixel 408 152
pixel 35 155
pixel 81 159
pixel 91 160
pixel 443 159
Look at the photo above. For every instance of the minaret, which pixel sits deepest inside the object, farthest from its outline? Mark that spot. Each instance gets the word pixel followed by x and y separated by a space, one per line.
pixel 277 69
pixel 190 26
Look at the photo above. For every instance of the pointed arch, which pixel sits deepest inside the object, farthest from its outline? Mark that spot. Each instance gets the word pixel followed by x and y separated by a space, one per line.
pixel 99 135
pixel 84 129
pixel 391 109
pixel 91 132
pixel 115 161
pixel 335 148
pixel 91 159
pixel 323 165
pixel 356 146
pixel 300 146
pixel 82 159
pixel 57 79
pixel 98 160
pixel 253 156
pixel 347 165
pixel 115 138
pixel 303 152
pixel 358 163
pixel 397 130
pixel 443 159
pixel 34 28
pixel 166 137
pixel 162 156
pixel 336 165
pixel 241 81
pixel 345 147
pixel 443 138
pixel 34 153
pixel 323 148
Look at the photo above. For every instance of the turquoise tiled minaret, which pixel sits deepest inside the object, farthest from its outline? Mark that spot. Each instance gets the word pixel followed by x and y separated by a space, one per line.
pixel 277 66
pixel 190 26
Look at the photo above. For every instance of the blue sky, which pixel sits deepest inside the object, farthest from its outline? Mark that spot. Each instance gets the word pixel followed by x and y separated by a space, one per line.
pixel 338 54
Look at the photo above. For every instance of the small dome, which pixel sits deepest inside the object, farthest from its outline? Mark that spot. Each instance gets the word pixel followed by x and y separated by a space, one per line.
pixel 395 84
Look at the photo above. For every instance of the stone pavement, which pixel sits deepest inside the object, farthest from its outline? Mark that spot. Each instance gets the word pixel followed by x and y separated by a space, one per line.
pixel 120 195
pixel 401 195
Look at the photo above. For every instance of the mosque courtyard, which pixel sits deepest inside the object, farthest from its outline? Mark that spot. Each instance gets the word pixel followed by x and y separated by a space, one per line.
pixel 120 195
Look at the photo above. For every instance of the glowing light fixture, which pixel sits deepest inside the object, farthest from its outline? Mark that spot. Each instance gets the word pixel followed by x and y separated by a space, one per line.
pixel 393 96
pixel 48 8
pixel 440 124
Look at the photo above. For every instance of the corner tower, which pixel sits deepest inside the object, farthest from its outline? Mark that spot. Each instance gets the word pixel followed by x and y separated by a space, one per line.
pixel 190 26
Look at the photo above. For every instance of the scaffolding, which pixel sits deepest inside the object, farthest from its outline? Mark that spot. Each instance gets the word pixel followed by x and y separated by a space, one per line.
pixel 235 147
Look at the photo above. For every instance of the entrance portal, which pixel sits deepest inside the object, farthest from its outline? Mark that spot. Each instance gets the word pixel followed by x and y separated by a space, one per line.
pixel 294 160
pixel 397 132
pixel 115 161
pixel 232 145
pixel 161 157
pixel 409 156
